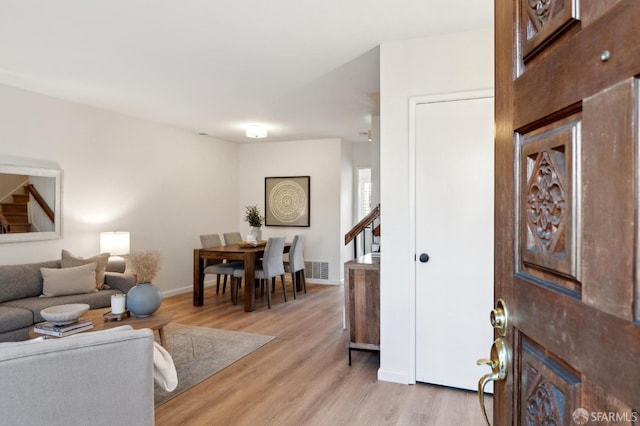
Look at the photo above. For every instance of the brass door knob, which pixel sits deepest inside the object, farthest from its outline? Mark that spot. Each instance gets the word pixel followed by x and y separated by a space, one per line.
pixel 498 363
pixel 499 317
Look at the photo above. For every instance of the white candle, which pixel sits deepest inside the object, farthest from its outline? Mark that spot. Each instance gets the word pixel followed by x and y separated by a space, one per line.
pixel 118 303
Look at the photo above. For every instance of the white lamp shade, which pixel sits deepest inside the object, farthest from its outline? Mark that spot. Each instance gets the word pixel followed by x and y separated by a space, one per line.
pixel 115 243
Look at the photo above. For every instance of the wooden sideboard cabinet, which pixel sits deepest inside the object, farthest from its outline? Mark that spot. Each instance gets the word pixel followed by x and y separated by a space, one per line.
pixel 362 303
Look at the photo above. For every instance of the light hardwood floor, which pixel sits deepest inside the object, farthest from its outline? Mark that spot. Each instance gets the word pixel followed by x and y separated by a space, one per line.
pixel 302 377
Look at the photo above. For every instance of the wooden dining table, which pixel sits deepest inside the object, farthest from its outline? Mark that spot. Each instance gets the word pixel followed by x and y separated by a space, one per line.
pixel 250 255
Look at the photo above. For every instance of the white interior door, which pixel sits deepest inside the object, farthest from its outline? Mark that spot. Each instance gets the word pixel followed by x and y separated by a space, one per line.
pixel 454 227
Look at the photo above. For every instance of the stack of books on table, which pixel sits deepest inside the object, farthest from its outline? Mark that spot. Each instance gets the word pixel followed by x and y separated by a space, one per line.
pixel 62 330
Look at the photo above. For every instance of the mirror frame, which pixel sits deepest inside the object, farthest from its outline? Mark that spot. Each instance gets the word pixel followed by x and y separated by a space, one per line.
pixel 57 208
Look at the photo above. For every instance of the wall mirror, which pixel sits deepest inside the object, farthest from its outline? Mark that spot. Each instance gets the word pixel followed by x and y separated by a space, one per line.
pixel 30 203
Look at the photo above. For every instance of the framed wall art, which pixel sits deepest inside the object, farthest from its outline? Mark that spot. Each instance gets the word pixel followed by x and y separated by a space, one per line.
pixel 287 201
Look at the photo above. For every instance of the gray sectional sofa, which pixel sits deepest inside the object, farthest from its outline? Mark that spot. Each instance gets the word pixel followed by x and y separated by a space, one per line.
pixel 20 301
pixel 101 378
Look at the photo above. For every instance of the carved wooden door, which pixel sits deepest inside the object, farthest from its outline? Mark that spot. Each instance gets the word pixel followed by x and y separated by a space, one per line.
pixel 567 210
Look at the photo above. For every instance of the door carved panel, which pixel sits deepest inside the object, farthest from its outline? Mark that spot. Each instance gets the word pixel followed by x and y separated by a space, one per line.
pixel 543 20
pixel 548 386
pixel 549 204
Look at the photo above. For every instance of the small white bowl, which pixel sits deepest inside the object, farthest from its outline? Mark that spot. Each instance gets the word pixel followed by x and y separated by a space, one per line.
pixel 64 314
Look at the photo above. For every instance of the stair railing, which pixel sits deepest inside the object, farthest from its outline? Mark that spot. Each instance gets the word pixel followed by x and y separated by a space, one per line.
pixel 4 224
pixel 41 202
pixel 361 226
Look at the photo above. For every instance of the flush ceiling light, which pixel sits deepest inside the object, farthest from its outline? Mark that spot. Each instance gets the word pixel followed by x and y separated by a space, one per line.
pixel 256 131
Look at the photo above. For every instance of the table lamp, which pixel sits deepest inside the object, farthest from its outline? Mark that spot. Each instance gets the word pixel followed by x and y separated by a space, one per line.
pixel 117 245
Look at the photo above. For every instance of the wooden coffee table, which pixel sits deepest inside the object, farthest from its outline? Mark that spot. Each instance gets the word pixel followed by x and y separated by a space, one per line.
pixel 157 321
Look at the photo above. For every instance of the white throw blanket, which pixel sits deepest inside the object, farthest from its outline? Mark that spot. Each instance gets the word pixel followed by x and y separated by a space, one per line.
pixel 164 371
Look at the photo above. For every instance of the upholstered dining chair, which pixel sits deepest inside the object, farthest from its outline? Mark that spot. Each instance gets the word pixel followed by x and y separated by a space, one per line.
pixel 269 267
pixel 215 266
pixel 232 238
pixel 296 263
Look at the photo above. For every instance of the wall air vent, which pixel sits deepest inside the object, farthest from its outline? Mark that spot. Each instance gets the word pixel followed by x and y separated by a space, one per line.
pixel 318 270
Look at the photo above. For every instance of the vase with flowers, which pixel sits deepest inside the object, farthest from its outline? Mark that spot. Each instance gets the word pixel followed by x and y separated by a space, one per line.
pixel 255 220
pixel 144 298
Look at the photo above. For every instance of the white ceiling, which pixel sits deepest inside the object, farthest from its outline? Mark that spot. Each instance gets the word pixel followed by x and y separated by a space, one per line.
pixel 307 69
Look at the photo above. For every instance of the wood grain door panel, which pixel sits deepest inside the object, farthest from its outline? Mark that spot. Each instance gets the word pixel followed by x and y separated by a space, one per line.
pixel 567 102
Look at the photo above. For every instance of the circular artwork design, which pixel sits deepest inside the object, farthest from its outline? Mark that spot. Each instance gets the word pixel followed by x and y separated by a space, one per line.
pixel 287 201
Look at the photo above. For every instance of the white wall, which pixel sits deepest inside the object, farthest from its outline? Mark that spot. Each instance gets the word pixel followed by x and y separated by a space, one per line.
pixel 11 184
pixel 164 185
pixel 347 194
pixel 360 159
pixel 375 160
pixel 46 187
pixel 319 159
pixel 367 155
pixel 444 64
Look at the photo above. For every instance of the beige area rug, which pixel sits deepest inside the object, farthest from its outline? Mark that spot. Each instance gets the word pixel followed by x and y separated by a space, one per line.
pixel 200 352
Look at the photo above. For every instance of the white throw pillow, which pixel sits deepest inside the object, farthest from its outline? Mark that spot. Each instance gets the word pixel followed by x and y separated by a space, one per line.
pixel 65 281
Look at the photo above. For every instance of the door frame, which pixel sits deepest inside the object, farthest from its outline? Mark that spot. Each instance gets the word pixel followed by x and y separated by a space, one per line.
pixel 413 103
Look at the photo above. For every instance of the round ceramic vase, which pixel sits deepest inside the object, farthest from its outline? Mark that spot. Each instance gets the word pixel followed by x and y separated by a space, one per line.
pixel 144 299
pixel 256 232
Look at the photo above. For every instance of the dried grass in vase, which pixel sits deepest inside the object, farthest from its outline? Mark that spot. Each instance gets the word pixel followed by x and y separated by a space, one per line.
pixel 144 265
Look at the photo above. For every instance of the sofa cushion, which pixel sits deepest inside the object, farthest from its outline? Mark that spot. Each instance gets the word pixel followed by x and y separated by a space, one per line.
pixel 118 281
pixel 69 261
pixel 65 281
pixel 12 318
pixel 100 299
pixel 20 281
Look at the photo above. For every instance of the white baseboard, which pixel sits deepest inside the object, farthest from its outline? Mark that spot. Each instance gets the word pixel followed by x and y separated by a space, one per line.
pixel 325 282
pixel 180 290
pixel 394 376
